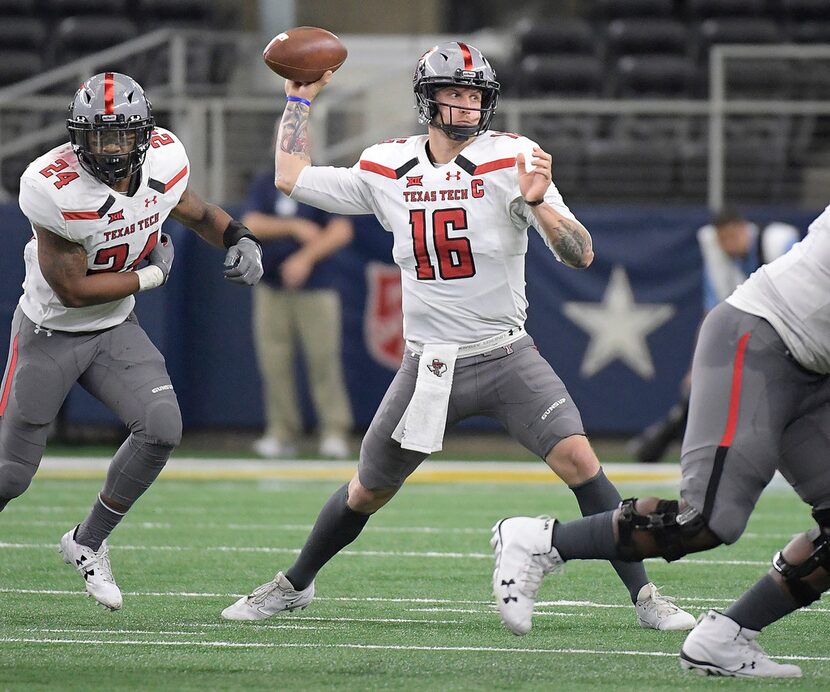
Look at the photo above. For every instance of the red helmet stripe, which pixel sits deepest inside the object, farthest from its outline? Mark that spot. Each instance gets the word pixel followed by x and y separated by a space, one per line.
pixel 468 57
pixel 109 93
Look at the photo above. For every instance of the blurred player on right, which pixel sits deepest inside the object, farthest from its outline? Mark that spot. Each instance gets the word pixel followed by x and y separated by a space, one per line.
pixel 760 402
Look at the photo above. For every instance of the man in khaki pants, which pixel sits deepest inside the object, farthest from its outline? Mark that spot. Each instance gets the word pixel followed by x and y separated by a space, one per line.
pixel 296 304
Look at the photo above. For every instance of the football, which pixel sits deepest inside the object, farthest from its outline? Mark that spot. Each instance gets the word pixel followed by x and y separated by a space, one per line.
pixel 304 54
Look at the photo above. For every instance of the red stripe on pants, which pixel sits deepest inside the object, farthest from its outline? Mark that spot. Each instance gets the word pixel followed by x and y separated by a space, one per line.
pixel 7 387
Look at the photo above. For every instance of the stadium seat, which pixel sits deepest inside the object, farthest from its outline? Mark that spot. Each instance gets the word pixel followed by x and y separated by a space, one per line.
pixel 570 36
pixel 77 36
pixel 628 171
pixel 805 10
pixel 810 31
pixel 642 35
pixel 188 11
pixel 673 130
pixel 23 33
pixel 66 8
pixel 653 75
pixel 16 65
pixel 735 30
pixel 568 163
pixel 756 160
pixel 540 75
pixel 17 7
pixel 762 78
pixel 615 9
pixel 704 9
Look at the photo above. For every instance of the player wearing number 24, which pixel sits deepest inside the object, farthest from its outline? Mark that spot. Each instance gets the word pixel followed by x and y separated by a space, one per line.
pixel 96 205
pixel 458 202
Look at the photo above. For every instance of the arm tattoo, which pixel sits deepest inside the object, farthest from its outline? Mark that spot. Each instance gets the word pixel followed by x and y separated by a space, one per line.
pixel 292 137
pixel 571 243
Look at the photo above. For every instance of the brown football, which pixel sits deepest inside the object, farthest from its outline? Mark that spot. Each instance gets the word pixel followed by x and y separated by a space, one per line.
pixel 304 54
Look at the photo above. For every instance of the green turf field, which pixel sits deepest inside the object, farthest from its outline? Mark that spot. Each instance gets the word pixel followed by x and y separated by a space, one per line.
pixel 407 606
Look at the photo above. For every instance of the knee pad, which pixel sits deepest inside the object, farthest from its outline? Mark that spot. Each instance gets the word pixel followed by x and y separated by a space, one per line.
pixel 162 423
pixel 674 533
pixel 793 575
pixel 14 479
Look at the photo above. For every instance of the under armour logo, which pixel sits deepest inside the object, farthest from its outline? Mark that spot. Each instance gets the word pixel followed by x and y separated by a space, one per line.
pixel 414 180
pixel 86 572
pixel 453 176
pixel 148 201
pixel 437 367
pixel 508 597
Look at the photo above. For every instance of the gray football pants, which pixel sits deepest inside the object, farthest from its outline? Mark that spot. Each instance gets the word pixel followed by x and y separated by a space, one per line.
pixel 120 367
pixel 753 410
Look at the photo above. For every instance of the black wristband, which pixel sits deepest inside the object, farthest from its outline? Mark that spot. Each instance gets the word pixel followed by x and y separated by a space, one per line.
pixel 534 204
pixel 235 232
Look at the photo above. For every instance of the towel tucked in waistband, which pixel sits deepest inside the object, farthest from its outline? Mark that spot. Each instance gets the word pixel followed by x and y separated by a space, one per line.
pixel 422 424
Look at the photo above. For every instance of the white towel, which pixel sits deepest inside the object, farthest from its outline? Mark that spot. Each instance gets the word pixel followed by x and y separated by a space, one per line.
pixel 422 424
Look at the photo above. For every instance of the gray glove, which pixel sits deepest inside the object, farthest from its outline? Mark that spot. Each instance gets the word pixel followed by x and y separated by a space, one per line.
pixel 162 255
pixel 243 262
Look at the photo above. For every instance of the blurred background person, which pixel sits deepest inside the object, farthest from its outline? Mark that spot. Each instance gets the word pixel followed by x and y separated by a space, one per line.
pixel 732 248
pixel 297 305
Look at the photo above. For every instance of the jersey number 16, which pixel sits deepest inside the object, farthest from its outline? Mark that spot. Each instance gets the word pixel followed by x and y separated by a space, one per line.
pixel 455 257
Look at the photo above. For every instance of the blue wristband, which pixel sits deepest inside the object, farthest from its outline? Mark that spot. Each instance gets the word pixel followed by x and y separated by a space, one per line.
pixel 297 99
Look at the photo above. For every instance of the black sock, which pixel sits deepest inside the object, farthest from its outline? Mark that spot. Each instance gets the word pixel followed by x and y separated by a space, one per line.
pixel 600 495
pixel 3 504
pixel 589 538
pixel 98 525
pixel 762 604
pixel 337 525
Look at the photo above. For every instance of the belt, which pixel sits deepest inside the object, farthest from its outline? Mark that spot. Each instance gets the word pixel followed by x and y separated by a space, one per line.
pixel 478 347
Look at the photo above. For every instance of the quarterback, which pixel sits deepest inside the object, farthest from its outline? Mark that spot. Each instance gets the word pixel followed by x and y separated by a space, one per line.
pixel 96 206
pixel 458 202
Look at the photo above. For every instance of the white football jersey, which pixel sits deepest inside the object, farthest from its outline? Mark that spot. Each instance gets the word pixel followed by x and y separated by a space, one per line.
pixel 460 229
pixel 793 294
pixel 117 231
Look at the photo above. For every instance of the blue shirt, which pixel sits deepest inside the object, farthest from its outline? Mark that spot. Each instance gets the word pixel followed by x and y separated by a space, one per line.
pixel 265 198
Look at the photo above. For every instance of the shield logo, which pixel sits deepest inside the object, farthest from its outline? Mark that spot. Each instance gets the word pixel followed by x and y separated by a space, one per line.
pixel 382 318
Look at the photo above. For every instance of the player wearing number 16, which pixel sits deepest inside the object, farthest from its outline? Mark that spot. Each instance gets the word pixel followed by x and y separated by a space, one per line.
pixel 96 206
pixel 458 202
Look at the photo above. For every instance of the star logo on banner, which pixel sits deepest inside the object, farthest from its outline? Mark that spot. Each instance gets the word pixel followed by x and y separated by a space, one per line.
pixel 618 327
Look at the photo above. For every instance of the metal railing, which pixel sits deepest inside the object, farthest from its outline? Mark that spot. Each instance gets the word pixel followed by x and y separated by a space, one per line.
pixel 228 131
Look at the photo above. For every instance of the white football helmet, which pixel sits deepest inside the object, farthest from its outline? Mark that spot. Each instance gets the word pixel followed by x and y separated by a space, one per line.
pixel 110 121
pixel 454 64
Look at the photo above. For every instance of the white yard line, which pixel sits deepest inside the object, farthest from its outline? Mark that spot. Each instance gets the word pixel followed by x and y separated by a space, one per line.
pixel 277 525
pixel 484 606
pixel 350 553
pixel 366 647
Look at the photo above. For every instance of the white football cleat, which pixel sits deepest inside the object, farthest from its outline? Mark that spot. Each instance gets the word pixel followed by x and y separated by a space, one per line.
pixel 659 612
pixel 270 598
pixel 524 556
pixel 272 448
pixel 334 447
pixel 720 646
pixel 94 567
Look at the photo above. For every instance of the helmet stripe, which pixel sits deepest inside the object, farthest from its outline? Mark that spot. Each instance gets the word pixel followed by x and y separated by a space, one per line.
pixel 468 57
pixel 109 93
